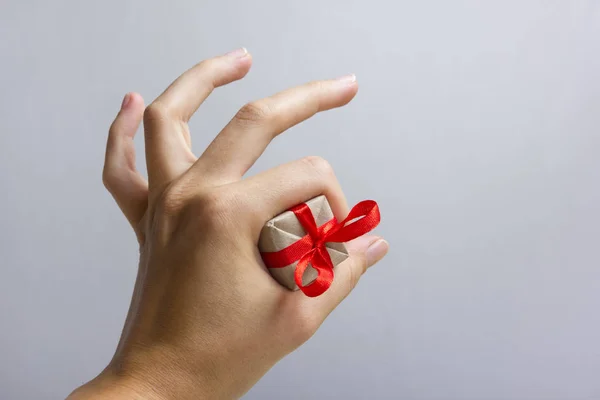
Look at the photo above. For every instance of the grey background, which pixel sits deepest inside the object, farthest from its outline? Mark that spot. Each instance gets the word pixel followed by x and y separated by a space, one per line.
pixel 476 128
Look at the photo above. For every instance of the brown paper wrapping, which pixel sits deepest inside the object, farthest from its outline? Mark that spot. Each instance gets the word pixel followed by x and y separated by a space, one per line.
pixel 285 229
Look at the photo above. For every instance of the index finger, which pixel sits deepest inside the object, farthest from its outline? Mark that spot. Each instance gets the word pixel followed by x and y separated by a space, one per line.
pixel 248 134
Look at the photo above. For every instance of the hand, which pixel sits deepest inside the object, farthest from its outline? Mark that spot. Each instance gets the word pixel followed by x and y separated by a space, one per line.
pixel 206 318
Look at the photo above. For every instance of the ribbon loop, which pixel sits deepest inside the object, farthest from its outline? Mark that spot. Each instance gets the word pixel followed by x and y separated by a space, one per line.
pixel 311 249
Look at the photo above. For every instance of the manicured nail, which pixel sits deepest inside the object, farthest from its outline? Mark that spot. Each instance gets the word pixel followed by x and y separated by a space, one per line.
pixel 347 79
pixel 238 53
pixel 126 100
pixel 376 251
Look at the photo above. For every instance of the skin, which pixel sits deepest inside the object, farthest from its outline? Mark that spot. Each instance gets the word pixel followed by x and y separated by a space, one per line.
pixel 206 319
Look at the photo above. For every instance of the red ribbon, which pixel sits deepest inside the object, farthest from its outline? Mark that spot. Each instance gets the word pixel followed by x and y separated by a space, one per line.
pixel 310 249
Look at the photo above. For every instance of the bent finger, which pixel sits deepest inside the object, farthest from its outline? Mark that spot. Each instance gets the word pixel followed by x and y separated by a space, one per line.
pixel 119 174
pixel 168 142
pixel 249 133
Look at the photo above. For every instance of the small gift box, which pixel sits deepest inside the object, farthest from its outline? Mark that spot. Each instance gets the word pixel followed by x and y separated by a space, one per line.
pixel 302 246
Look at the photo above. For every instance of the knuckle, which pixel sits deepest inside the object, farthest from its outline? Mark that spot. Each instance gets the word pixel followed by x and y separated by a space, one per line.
pixel 306 326
pixel 316 85
pixel 356 271
pixel 208 65
pixel 108 179
pixel 172 199
pixel 155 112
pixel 203 65
pixel 209 71
pixel 255 112
pixel 318 164
pixel 297 322
pixel 114 128
pixel 214 209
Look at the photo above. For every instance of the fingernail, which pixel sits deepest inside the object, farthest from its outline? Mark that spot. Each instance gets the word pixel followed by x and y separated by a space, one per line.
pixel 347 79
pixel 126 100
pixel 376 251
pixel 238 53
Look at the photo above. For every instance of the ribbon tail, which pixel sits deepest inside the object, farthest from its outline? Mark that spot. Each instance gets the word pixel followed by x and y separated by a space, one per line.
pixel 324 269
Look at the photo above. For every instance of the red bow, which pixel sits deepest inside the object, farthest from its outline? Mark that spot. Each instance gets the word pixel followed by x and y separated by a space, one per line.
pixel 311 249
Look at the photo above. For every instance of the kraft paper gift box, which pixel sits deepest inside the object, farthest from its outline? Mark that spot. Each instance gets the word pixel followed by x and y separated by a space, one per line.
pixel 285 229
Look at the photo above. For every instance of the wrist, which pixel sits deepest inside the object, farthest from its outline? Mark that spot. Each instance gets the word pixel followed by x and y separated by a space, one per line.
pixel 152 379
pixel 108 386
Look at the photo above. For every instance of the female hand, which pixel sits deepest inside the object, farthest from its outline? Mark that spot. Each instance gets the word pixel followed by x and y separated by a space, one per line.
pixel 206 318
